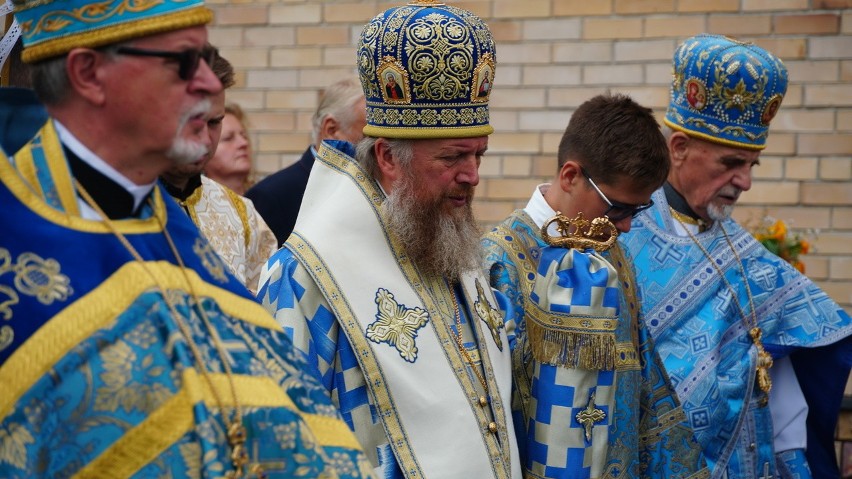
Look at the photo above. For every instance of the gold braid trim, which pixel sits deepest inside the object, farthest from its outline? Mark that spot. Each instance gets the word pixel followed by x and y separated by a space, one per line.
pixel 427 132
pixel 237 201
pixel 117 33
pixel 7 65
pixel 711 138
pixel 190 203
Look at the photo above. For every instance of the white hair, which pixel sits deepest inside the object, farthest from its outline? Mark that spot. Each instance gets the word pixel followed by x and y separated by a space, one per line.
pixel 337 101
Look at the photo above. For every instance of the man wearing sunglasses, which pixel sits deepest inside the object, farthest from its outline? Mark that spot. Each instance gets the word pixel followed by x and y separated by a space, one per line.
pixel 126 346
pixel 757 353
pixel 587 396
pixel 229 221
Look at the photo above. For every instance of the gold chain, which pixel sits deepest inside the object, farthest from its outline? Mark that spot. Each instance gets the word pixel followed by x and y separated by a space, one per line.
pixel 702 225
pixel 764 359
pixel 236 431
pixel 457 335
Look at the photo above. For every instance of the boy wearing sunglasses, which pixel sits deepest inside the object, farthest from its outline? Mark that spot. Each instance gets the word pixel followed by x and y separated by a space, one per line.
pixel 590 397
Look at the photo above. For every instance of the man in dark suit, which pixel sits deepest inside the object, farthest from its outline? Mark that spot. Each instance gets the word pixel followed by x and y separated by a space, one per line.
pixel 340 115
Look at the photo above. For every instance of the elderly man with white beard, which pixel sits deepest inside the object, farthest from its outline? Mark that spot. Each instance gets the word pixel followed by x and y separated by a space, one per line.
pixel 757 353
pixel 127 349
pixel 380 283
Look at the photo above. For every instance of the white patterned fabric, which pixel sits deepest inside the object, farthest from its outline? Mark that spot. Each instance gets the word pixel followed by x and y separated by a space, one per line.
pixel 233 227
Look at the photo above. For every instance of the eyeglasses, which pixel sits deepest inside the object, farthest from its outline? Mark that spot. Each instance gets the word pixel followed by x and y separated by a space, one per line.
pixel 188 60
pixel 617 211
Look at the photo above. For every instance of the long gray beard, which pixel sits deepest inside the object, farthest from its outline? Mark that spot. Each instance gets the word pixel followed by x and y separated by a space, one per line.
pixel 438 243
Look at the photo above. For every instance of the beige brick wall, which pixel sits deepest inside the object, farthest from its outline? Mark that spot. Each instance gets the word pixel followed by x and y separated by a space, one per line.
pixel 553 55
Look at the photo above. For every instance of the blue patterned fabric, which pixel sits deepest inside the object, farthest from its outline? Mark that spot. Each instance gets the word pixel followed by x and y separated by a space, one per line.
pixel 725 91
pixel 330 353
pixel 327 350
pixel 647 435
pixel 794 465
pixel 99 377
pixel 704 344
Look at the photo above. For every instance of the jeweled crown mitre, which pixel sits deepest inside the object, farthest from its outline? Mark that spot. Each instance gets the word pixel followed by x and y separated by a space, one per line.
pixel 427 70
pixel 725 91
pixel 51 28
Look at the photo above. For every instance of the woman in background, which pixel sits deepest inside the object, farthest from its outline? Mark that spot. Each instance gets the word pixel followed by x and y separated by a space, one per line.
pixel 232 164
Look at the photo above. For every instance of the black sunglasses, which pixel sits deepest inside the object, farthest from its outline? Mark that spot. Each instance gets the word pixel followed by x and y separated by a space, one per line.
pixel 188 60
pixel 617 211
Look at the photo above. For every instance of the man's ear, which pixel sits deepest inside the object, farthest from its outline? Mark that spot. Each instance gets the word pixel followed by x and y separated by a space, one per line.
pixel 329 127
pixel 389 166
pixel 84 67
pixel 569 175
pixel 679 144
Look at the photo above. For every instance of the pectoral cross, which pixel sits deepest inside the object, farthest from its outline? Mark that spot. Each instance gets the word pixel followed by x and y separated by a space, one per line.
pixel 766 474
pixel 589 416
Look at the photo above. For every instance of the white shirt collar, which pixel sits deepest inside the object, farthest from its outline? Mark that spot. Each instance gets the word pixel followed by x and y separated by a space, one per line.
pixel 138 192
pixel 537 208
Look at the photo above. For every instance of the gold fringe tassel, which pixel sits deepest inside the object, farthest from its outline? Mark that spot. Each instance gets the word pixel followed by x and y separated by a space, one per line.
pixel 572 349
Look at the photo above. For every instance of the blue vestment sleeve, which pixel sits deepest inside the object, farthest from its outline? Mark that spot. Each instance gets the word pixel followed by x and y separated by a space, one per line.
pixel 283 291
pixel 822 374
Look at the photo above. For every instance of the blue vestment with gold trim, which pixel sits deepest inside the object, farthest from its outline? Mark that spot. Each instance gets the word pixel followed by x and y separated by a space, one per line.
pixel 646 434
pixel 711 360
pixel 98 379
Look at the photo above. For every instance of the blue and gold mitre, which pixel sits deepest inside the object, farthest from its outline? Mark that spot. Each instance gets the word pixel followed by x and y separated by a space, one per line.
pixel 725 91
pixel 427 70
pixel 53 27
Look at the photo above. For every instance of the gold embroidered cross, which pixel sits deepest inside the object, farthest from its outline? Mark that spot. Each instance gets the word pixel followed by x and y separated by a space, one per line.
pixel 492 318
pixel 589 416
pixel 396 325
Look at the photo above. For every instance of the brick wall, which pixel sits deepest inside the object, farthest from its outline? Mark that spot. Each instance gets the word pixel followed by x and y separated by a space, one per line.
pixel 553 55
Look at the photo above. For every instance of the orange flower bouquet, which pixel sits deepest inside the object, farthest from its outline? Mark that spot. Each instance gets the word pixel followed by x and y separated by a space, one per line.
pixel 779 240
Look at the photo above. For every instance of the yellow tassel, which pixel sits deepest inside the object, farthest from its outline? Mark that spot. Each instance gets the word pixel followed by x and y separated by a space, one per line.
pixel 572 349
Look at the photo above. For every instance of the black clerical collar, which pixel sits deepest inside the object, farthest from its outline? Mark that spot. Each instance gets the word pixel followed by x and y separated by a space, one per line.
pixel 680 208
pixel 182 194
pixel 678 202
pixel 111 197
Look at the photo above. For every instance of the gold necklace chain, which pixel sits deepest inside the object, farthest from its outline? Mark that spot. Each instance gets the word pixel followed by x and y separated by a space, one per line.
pixel 764 359
pixel 457 335
pixel 702 225
pixel 236 431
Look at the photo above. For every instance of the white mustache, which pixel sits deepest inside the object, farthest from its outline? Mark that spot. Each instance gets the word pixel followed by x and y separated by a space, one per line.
pixel 200 108
pixel 730 191
pixel 186 150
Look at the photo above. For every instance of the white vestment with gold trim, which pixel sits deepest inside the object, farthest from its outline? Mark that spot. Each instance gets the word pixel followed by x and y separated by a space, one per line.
pixel 382 335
